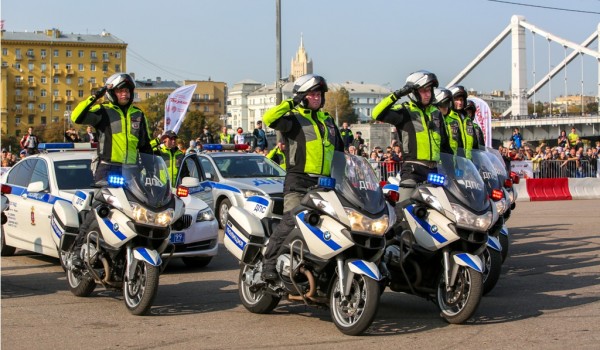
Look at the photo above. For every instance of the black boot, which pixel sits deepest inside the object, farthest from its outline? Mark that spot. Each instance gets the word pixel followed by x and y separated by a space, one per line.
pixel 269 273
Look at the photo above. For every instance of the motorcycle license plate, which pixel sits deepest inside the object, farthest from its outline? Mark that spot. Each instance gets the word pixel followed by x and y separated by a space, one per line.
pixel 177 237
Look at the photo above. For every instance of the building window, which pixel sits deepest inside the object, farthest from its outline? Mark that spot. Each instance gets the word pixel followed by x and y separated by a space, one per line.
pixel 93 67
pixel 4 51
pixel 42 107
pixel 30 79
pixel 43 93
pixel 43 79
pixel 69 53
pixel 147 95
pixel 68 81
pixel 56 66
pixel 117 54
pixel 93 54
pixel 80 81
pixel 18 65
pixel 105 67
pixel 68 66
pixel 30 119
pixel 80 67
pixel 68 93
pixel 55 119
pixel 117 67
pixel 18 53
pixel 43 53
pixel 43 67
pixel 43 120
pixel 80 93
pixel 17 122
pixel 93 80
pixel 68 108
pixel 206 96
pixel 30 66
pixel 80 53
pixel 105 56
pixel 57 107
pixel 29 52
pixel 55 53
pixel 206 109
pixel 55 80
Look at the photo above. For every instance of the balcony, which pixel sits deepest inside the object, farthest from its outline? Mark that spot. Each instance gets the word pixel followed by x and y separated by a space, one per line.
pixel 18 98
pixel 19 84
pixel 18 58
pixel 57 98
pixel 94 85
pixel 32 84
pixel 31 98
pixel 57 71
pixel 204 100
pixel 18 111
pixel 94 59
pixel 30 56
pixel 70 99
pixel 105 60
pixel 70 72
pixel 31 111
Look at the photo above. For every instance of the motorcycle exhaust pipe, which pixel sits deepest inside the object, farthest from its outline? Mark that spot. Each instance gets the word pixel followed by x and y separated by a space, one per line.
pixel 311 289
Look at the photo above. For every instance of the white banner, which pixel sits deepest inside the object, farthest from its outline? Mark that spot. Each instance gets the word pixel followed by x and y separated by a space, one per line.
pixel 524 168
pixel 176 106
pixel 483 118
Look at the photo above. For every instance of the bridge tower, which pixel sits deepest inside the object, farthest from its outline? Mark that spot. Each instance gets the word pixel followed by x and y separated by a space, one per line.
pixel 519 67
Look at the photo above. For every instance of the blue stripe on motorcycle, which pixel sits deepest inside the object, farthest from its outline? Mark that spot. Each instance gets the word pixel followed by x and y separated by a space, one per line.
pixel 492 244
pixel 55 228
pixel 81 194
pixel 110 226
pixel 234 237
pixel 390 187
pixel 148 257
pixel 467 259
pixel 438 237
pixel 363 267
pixel 320 234
pixel 504 230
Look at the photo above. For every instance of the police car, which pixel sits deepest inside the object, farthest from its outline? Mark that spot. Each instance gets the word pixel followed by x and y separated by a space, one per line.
pixel 233 177
pixel 56 174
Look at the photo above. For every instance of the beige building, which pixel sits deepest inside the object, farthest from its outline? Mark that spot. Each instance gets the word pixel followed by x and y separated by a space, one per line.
pixel 46 73
pixel 301 64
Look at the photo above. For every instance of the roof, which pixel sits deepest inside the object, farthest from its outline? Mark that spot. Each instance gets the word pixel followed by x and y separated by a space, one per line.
pixel 156 84
pixel 102 38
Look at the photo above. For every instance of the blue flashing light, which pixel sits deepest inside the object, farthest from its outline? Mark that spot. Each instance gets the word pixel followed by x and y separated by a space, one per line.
pixel 224 147
pixel 327 182
pixel 436 179
pixel 61 145
pixel 115 180
pixel 212 147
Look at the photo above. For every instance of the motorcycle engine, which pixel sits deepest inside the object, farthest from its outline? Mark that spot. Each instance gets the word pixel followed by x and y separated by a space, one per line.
pixel 284 264
pixel 392 254
pixel 92 252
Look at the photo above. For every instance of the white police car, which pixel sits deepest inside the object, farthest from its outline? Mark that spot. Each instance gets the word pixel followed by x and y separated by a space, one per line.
pixel 56 174
pixel 233 177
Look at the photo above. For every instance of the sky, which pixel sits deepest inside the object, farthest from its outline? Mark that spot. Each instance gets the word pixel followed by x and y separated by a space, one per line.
pixel 375 41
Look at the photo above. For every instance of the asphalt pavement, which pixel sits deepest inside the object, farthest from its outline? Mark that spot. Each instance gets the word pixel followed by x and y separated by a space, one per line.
pixel 548 296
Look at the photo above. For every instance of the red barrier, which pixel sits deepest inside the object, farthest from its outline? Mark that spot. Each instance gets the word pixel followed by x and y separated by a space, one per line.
pixel 548 189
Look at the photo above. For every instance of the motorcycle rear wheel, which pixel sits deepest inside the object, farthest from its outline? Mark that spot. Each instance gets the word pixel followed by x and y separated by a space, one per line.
pixel 355 315
pixel 492 266
pixel 459 304
pixel 139 292
pixel 81 283
pixel 258 302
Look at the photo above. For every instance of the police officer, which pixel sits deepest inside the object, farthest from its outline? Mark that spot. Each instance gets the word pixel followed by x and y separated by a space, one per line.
pixel 224 137
pixel 347 135
pixel 171 154
pixel 311 138
pixel 444 102
pixel 277 154
pixel 470 109
pixel 122 132
pixel 459 95
pixel 420 126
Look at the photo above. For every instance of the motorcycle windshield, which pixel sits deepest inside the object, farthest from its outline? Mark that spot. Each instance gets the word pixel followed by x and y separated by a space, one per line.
pixel 486 169
pixel 357 183
pixel 498 163
pixel 148 181
pixel 464 182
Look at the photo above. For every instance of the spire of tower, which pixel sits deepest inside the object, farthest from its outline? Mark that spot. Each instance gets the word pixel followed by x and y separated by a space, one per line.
pixel 301 40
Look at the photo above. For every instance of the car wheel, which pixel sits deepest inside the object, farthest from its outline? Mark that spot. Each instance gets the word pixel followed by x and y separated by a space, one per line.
pixel 223 211
pixel 196 261
pixel 6 250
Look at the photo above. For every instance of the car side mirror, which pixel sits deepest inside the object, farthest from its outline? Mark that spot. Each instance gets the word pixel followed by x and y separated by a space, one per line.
pixel 189 182
pixel 37 186
pixel 208 176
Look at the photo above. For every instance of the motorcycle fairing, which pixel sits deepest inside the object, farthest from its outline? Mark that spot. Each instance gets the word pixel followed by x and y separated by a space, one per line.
pixel 432 232
pixel 504 230
pixel 363 267
pixel 114 228
pixel 324 240
pixel 468 260
pixel 494 243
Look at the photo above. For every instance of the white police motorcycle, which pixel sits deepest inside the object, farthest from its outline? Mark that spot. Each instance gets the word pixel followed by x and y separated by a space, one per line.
pixel 122 249
pixel 330 258
pixel 436 248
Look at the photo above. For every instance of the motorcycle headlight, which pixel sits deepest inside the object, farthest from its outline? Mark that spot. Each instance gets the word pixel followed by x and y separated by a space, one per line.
pixel 362 223
pixel 144 216
pixel 500 206
pixel 467 220
pixel 205 215
pixel 511 195
pixel 250 193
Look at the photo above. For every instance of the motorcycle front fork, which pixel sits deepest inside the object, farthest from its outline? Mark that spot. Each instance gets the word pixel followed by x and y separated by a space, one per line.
pixel 450 269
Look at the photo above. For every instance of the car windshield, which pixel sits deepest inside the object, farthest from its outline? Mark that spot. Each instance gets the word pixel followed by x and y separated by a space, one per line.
pixel 356 182
pixel 73 174
pixel 247 166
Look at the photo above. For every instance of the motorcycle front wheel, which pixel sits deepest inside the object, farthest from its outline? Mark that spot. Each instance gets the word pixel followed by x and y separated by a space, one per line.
pixel 353 314
pixel 460 302
pixel 140 291
pixel 492 265
pixel 255 299
pixel 504 242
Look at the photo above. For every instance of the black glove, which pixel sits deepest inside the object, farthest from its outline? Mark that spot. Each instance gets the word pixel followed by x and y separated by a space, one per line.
pixel 98 94
pixel 407 89
pixel 299 98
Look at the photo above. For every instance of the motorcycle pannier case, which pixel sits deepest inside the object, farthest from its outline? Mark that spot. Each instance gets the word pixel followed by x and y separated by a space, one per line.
pixel 244 234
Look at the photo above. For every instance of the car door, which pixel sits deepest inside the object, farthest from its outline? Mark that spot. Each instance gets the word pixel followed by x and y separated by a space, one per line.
pixel 17 228
pixel 40 204
pixel 190 167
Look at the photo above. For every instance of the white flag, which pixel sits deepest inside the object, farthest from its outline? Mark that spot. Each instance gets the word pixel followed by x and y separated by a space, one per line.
pixel 176 106
pixel 483 118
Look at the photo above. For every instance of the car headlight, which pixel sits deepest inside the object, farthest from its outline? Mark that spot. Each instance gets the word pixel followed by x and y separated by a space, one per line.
pixel 467 220
pixel 205 215
pixel 362 223
pixel 250 193
pixel 144 216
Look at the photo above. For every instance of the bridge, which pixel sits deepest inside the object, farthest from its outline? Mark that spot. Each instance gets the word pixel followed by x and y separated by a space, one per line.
pixel 521 92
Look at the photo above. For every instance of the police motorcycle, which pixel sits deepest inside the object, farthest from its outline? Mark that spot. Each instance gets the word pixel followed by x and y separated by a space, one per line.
pixel 122 250
pixel 435 250
pixel 492 254
pixel 507 180
pixel 330 258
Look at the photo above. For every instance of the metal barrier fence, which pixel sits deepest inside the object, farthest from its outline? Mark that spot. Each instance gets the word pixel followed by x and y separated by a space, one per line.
pixel 564 168
pixel 385 169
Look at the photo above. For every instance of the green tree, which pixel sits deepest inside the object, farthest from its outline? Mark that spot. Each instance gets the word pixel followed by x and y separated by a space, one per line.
pixel 340 106
pixel 154 110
